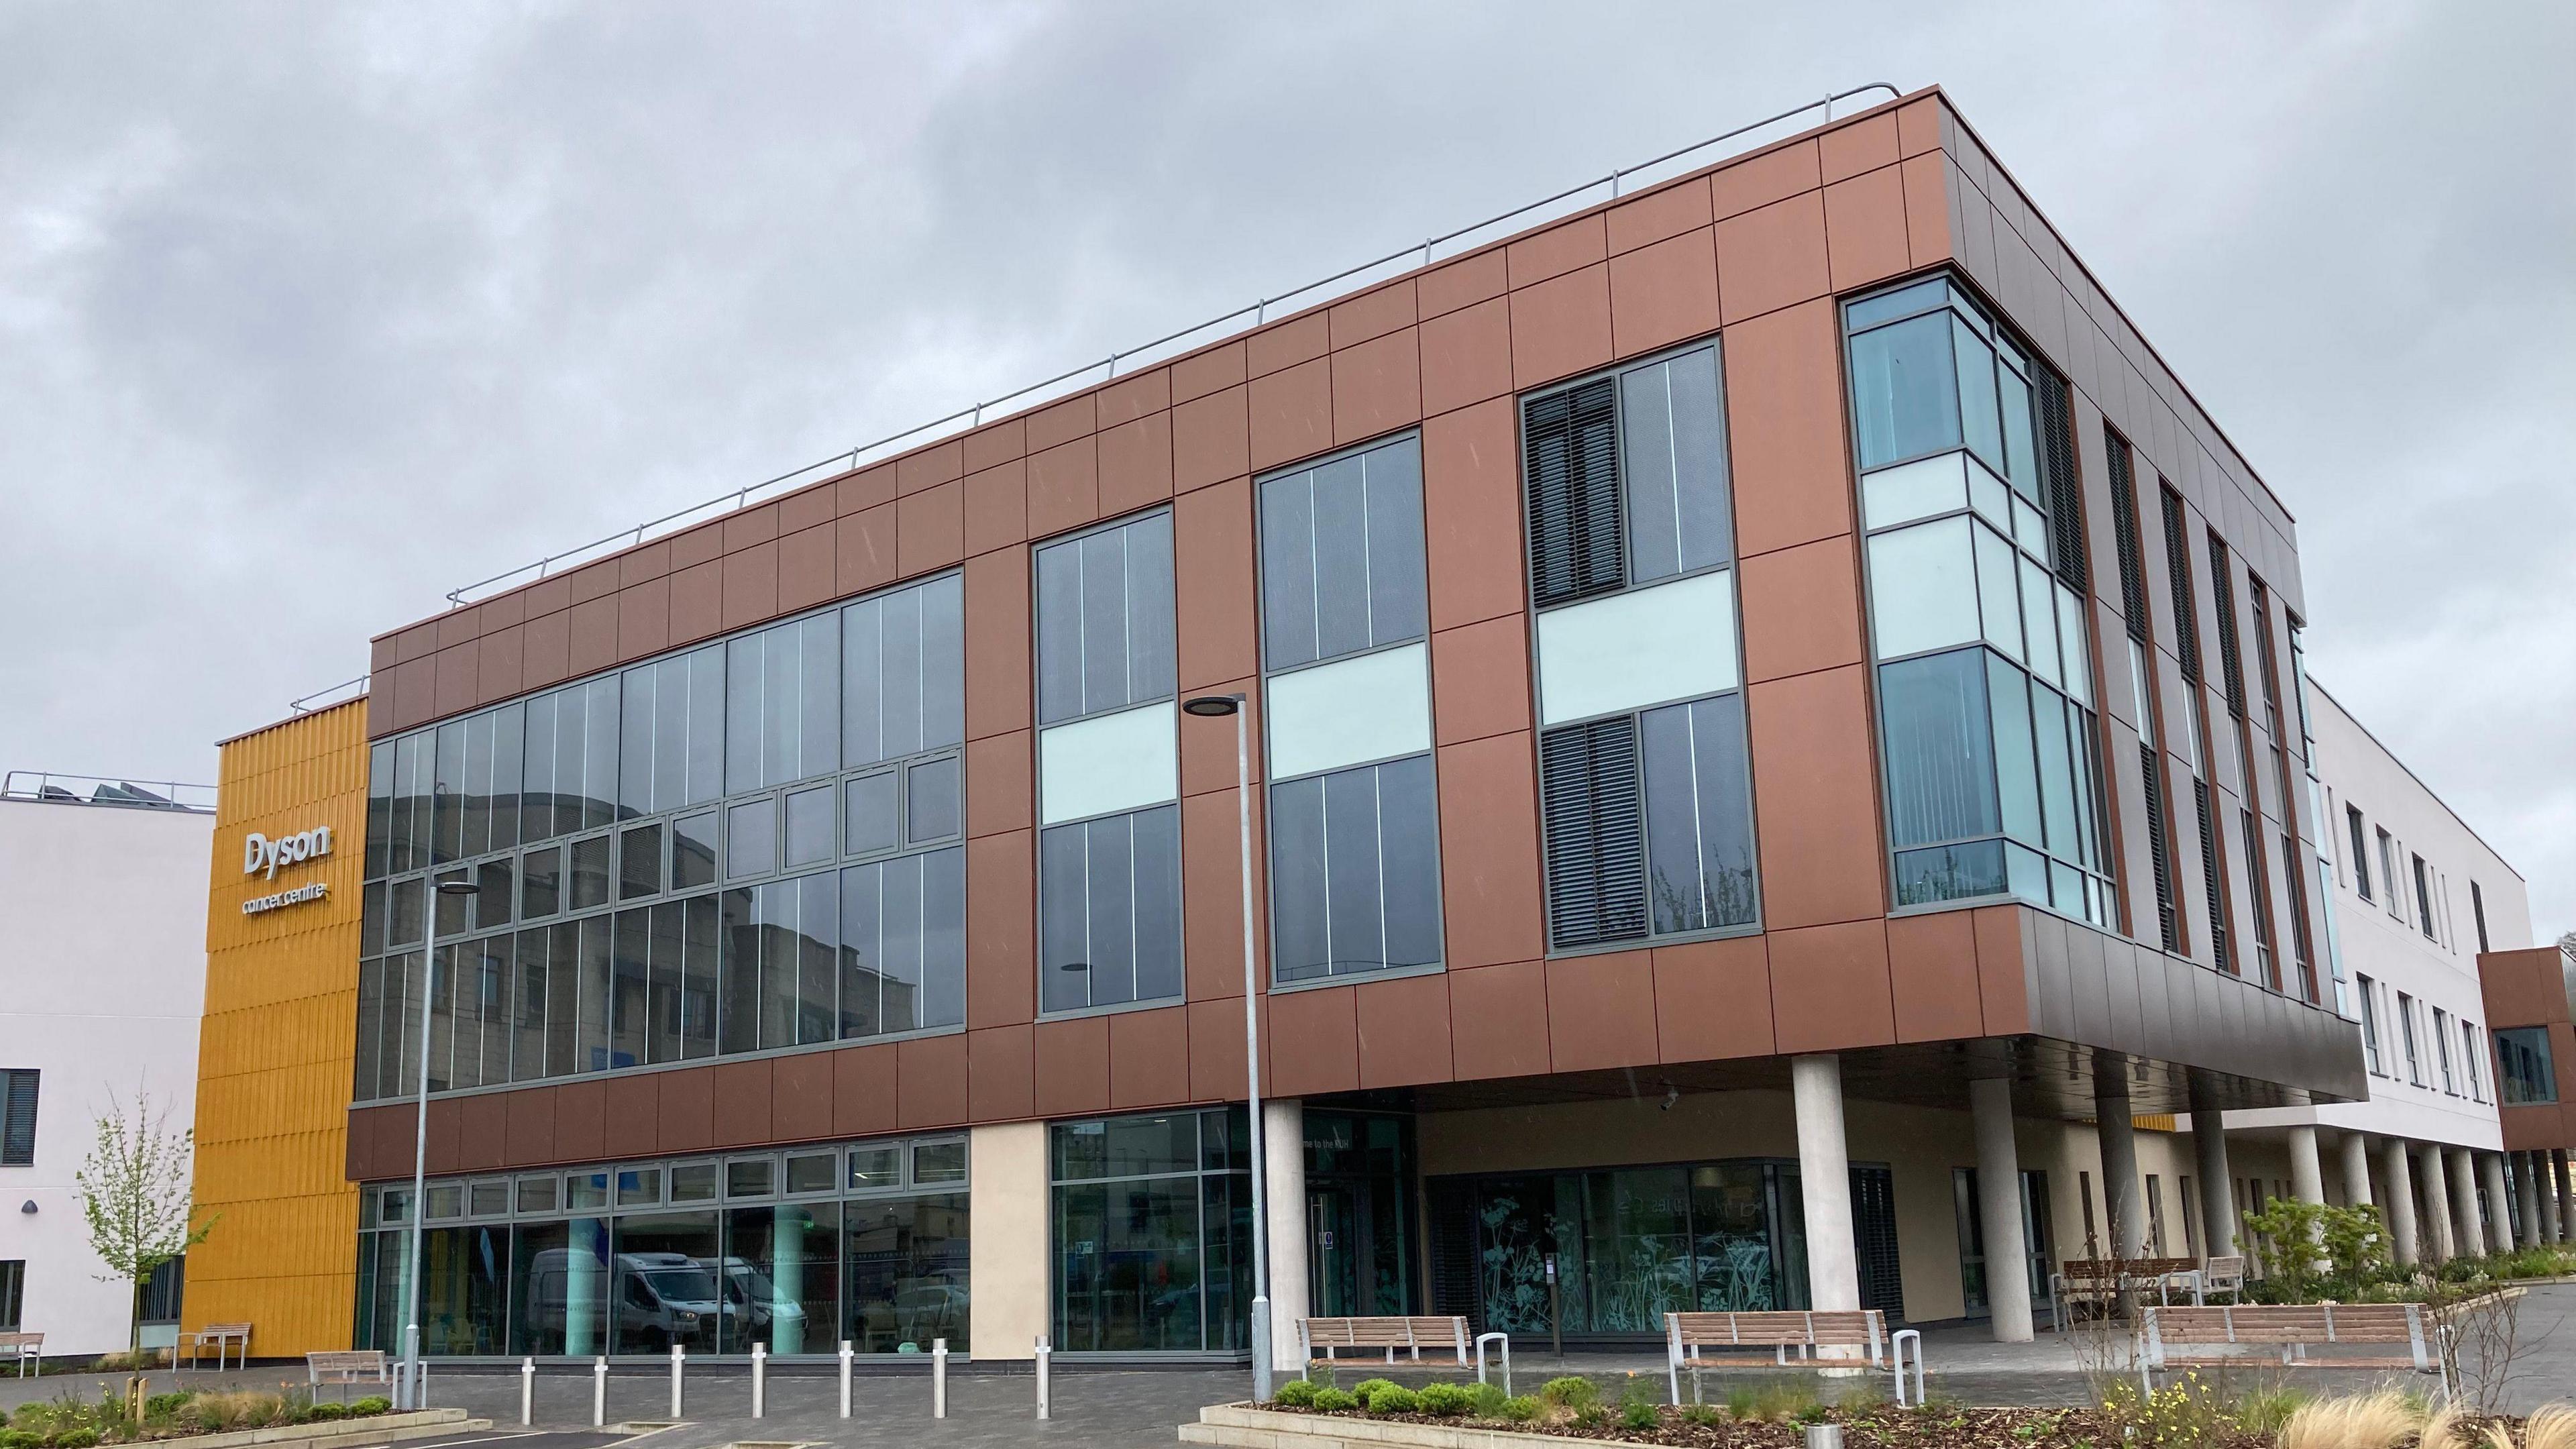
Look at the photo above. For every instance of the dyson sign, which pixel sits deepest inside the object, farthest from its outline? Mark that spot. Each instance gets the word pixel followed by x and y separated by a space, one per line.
pixel 260 853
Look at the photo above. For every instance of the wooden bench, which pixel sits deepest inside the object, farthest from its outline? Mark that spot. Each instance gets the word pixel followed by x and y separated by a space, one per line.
pixel 2292 1329
pixel 1689 1336
pixel 222 1336
pixel 1388 1334
pixel 345 1366
pixel 27 1348
pixel 2100 1281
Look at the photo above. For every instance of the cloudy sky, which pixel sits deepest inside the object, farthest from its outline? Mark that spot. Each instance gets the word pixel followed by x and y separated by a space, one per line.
pixel 310 314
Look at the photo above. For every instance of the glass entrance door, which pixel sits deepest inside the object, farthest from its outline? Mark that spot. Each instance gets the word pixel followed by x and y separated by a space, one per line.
pixel 1359 1240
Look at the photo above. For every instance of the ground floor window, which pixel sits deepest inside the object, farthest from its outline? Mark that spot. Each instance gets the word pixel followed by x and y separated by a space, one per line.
pixel 1360 1233
pixel 1152 1231
pixel 794 1251
pixel 1972 1237
pixel 1610 1251
pixel 13 1289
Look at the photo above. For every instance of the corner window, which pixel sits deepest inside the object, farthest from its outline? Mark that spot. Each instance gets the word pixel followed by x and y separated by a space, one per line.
pixel 2370 1028
pixel 1354 838
pixel 1645 793
pixel 2525 1074
pixel 1985 671
pixel 2360 851
pixel 1109 856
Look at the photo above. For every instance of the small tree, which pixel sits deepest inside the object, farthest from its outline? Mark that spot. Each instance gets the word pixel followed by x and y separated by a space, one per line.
pixel 135 1193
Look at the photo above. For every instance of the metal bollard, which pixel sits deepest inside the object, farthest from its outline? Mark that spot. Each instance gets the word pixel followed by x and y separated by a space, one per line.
pixel 527 1391
pixel 599 1393
pixel 939 1378
pixel 1044 1353
pixel 845 1378
pixel 679 1356
pixel 1824 1436
pixel 759 1381
pixel 420 1385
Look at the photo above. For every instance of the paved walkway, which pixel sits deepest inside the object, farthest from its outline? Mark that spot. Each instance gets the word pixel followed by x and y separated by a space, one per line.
pixel 1133 1409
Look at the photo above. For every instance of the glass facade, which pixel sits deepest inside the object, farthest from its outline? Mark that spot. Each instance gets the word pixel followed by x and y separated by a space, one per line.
pixel 2525 1074
pixel 793 1250
pixel 1992 757
pixel 1109 843
pixel 1645 777
pixel 1634 1243
pixel 749 845
pixel 1354 837
pixel 1152 1232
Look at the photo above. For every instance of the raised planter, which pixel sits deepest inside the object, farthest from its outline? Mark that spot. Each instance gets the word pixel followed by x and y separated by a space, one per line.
pixel 1241 1426
pixel 331 1433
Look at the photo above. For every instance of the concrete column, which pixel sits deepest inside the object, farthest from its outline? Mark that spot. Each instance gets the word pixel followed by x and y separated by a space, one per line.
pixel 2526 1201
pixel 1824 1181
pixel 2500 1238
pixel 2117 1133
pixel 1283 1153
pixel 2437 1244
pixel 1008 1249
pixel 2307 1176
pixel 2217 1185
pixel 2396 1163
pixel 2557 1171
pixel 2544 1186
pixel 2356 1169
pixel 2554 1192
pixel 2468 1229
pixel 1999 1209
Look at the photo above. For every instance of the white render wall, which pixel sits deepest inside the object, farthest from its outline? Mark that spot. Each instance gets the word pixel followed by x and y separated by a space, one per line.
pixel 102 982
pixel 2392 950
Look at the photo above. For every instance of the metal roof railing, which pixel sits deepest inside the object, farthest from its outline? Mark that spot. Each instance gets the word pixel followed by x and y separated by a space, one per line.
pixel 52 788
pixel 340 693
pixel 1349 279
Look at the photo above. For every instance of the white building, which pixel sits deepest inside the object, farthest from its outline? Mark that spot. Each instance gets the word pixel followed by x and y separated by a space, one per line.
pixel 102 981
pixel 2416 896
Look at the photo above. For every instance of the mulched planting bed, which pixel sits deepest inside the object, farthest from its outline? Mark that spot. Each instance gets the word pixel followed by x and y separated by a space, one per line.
pixel 1877 1427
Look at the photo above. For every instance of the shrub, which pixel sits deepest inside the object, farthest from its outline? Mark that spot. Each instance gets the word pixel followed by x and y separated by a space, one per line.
pixel 1295 1394
pixel 1366 1387
pixel 1521 1408
pixel 20 1439
pixel 1389 1398
pixel 371 1404
pixel 1446 1399
pixel 1570 1392
pixel 1638 1407
pixel 1701 1414
pixel 1486 1400
pixel 160 1406
pixel 1591 1416
pixel 1334 1401
pixel 328 1410
pixel 76 1439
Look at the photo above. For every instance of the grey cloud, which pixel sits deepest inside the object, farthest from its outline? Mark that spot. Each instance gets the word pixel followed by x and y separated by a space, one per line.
pixel 309 315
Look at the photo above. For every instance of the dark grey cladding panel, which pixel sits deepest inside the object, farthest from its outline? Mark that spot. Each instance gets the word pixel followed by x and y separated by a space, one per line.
pixel 2098 990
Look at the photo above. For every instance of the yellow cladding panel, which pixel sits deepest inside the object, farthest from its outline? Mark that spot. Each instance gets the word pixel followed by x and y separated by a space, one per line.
pixel 279 1041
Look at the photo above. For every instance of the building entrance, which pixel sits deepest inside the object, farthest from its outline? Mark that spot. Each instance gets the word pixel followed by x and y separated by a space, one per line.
pixel 1359 1215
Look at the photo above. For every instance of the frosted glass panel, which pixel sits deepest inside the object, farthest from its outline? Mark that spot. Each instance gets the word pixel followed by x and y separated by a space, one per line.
pixel 1375 707
pixel 2039 611
pixel 1995 574
pixel 1122 761
pixel 1918 489
pixel 1646 646
pixel 1988 495
pixel 1923 588
pixel 2070 639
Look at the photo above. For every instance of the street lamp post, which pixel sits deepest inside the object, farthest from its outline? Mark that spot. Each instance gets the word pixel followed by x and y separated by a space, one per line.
pixel 1217 706
pixel 410 1386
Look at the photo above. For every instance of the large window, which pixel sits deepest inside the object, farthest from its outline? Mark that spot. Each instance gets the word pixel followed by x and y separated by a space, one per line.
pixel 749 845
pixel 793 1251
pixel 13 1292
pixel 2370 1028
pixel 2524 1071
pixel 2406 1026
pixel 1985 674
pixel 1109 839
pixel 1152 1229
pixel 1645 795
pixel 18 1117
pixel 2360 851
pixel 1354 839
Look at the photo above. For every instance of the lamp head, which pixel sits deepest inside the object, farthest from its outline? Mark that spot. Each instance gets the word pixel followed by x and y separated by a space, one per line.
pixel 462 886
pixel 1213 706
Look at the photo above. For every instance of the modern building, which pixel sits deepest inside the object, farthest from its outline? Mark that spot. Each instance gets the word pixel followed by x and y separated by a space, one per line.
pixel 1765 797
pixel 101 983
pixel 2413 896
pixel 2530 998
